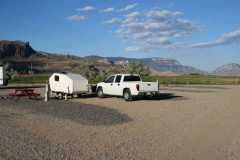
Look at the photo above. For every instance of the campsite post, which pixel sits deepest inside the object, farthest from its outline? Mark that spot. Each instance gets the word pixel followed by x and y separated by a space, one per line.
pixel 46 92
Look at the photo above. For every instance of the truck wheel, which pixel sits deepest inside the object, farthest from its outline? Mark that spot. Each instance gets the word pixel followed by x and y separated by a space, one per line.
pixel 100 93
pixel 59 95
pixel 127 95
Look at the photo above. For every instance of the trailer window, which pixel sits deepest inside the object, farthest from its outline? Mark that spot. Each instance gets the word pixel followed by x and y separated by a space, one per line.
pixel 56 78
pixel 118 79
pixel 110 79
pixel 131 78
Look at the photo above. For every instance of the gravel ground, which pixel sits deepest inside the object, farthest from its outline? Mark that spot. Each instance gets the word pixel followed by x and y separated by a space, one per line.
pixel 18 143
pixel 80 113
pixel 197 122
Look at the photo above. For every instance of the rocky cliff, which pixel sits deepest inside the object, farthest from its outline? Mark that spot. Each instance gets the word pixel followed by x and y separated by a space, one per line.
pixel 17 49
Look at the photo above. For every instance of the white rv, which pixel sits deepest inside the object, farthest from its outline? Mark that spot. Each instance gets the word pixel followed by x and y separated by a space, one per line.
pixel 1 76
pixel 4 77
pixel 68 84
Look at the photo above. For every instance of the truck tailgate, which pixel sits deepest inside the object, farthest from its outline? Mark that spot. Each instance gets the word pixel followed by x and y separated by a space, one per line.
pixel 148 87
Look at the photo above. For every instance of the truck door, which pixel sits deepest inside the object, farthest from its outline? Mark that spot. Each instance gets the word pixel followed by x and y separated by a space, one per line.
pixel 117 88
pixel 108 85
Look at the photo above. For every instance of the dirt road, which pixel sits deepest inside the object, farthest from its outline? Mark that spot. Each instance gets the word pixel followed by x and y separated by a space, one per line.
pixel 199 122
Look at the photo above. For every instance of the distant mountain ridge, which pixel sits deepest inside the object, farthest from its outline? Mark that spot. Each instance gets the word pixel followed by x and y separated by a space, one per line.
pixel 21 56
pixel 155 63
pixel 230 69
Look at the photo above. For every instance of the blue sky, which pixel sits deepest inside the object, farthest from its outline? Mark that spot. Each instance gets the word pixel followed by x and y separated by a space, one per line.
pixel 201 33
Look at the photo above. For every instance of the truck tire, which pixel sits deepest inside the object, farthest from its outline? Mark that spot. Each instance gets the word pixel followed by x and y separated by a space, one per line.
pixel 59 95
pixel 127 95
pixel 100 93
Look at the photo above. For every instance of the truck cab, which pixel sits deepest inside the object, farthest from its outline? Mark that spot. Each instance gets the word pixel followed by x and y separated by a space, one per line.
pixel 127 86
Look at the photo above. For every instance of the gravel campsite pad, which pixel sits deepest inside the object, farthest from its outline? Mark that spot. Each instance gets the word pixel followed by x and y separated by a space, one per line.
pixel 20 143
pixel 184 123
pixel 81 113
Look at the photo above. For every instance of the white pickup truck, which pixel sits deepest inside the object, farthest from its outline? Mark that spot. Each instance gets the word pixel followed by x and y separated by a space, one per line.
pixel 127 85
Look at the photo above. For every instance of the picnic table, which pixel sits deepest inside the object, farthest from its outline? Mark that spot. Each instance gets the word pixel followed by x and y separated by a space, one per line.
pixel 24 92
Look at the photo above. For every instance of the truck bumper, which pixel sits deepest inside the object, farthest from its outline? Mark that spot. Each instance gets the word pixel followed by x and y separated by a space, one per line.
pixel 151 93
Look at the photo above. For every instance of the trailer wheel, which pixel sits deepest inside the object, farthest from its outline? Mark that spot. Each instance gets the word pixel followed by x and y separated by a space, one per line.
pixel 100 93
pixel 78 95
pixel 127 95
pixel 60 95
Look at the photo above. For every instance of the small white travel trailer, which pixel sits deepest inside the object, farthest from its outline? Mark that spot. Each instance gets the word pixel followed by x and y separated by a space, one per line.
pixel 1 76
pixel 68 84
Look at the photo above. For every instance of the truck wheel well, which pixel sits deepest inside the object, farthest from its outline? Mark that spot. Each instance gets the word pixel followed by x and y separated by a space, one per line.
pixel 124 89
pixel 99 88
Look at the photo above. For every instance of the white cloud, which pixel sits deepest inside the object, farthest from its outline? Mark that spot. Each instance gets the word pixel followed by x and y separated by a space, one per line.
pixel 108 10
pixel 137 49
pixel 86 9
pixel 133 49
pixel 160 40
pixel 133 14
pixel 76 18
pixel 154 29
pixel 227 38
pixel 113 21
pixel 129 7
pixel 159 14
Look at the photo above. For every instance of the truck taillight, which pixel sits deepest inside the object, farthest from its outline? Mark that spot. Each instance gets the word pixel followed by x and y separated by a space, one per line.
pixel 137 87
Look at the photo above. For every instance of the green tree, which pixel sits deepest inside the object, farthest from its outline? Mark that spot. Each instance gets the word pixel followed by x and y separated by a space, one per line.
pixel 139 68
pixel 91 72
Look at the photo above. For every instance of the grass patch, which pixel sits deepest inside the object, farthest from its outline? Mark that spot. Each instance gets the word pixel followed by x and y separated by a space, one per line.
pixel 33 79
pixel 196 79
pixel 182 79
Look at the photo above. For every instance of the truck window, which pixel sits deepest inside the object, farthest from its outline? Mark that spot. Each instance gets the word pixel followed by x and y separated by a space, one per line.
pixel 131 78
pixel 110 79
pixel 118 79
pixel 56 78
